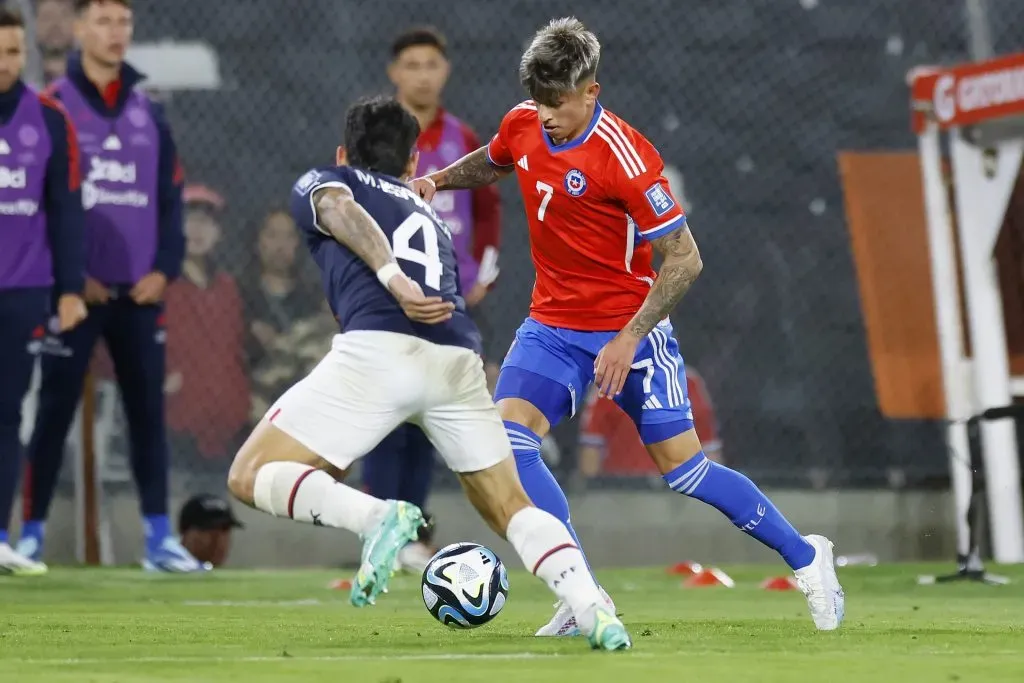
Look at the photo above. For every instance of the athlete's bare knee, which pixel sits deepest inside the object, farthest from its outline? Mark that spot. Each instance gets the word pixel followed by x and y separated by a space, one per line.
pixel 242 474
pixel 524 413
pixel 671 453
pixel 242 479
pixel 269 444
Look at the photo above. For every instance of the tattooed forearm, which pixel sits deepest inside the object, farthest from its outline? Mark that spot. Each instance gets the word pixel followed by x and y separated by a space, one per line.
pixel 339 215
pixel 680 268
pixel 469 172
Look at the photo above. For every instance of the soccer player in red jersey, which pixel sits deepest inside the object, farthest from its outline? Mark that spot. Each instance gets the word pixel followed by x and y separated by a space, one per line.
pixel 598 206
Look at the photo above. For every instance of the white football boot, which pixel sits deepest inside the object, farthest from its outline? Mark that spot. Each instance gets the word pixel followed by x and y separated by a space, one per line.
pixel 15 564
pixel 564 623
pixel 820 585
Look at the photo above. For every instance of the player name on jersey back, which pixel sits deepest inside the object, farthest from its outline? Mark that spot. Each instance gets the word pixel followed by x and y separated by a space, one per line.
pixel 421 242
pixel 402 191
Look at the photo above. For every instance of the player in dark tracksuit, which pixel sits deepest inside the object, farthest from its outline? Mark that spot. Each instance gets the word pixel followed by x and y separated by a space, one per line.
pixel 134 247
pixel 41 250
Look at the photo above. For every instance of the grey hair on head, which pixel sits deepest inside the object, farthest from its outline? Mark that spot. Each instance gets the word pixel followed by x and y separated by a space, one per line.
pixel 562 56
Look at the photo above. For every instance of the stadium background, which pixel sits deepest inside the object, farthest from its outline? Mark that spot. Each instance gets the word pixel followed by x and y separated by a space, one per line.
pixel 748 101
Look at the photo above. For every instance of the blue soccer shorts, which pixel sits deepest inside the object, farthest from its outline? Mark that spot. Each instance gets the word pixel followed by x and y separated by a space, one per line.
pixel 552 368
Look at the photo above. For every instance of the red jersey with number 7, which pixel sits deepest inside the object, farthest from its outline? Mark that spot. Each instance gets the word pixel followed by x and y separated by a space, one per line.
pixel 593 205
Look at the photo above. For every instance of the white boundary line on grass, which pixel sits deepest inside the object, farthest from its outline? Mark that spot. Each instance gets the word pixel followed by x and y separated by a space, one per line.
pixel 292 658
pixel 307 602
pixel 466 656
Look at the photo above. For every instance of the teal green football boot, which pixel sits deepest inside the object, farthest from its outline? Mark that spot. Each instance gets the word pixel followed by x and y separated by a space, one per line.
pixel 400 526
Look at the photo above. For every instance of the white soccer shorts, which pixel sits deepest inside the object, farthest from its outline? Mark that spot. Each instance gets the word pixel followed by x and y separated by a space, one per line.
pixel 370 382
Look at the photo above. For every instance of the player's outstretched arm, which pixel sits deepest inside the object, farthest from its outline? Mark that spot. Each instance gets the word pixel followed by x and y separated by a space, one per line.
pixel 471 171
pixel 680 267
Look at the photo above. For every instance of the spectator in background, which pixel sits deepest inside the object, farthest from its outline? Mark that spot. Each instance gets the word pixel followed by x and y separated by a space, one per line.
pixel 277 297
pixel 207 387
pixel 205 524
pixel 289 322
pixel 419 70
pixel 610 444
pixel 55 23
pixel 294 353
pixel 55 64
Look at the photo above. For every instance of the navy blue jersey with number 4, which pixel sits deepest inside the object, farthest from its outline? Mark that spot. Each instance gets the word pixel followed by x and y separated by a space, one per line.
pixel 420 240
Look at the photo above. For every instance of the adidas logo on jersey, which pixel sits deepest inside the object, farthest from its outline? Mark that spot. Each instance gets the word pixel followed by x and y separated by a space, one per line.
pixel 652 403
pixel 522 163
pixel 112 144
pixel 6 149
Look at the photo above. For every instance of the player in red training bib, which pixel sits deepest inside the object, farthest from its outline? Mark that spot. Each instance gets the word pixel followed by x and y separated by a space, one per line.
pixel 598 206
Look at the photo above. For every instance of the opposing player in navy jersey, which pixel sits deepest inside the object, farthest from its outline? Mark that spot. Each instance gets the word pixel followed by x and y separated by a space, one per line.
pixel 408 353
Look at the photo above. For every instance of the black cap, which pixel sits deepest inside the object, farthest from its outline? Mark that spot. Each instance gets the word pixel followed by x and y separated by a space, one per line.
pixel 206 512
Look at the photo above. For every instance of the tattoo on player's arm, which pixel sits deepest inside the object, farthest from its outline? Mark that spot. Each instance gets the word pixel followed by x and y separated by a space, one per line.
pixel 338 213
pixel 469 172
pixel 679 269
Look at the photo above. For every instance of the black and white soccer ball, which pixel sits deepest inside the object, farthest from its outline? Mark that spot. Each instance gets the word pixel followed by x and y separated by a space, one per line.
pixel 465 585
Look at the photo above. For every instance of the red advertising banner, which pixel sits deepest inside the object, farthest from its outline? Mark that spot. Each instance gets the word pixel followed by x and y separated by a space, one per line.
pixel 968 93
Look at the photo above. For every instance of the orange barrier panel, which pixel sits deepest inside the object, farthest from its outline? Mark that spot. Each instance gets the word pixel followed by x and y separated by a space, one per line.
pixel 889 235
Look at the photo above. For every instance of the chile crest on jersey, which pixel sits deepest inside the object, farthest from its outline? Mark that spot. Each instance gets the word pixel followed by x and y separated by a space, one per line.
pixel 421 242
pixel 575 182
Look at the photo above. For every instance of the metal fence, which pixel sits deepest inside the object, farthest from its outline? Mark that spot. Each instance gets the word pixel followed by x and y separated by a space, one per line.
pixel 748 101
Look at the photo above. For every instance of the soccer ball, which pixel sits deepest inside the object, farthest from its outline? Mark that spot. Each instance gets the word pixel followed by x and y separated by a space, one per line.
pixel 465 585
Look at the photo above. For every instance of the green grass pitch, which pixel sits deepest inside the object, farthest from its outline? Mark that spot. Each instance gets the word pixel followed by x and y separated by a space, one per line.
pixel 122 625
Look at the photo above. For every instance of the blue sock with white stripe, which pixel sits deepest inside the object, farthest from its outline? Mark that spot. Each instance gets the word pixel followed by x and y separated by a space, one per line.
pixel 742 502
pixel 540 485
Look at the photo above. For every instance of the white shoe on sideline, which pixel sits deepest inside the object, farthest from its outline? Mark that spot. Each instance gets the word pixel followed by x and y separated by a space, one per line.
pixel 172 557
pixel 13 563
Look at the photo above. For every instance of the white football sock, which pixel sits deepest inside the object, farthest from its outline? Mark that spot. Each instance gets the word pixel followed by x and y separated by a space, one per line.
pixel 306 494
pixel 548 550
